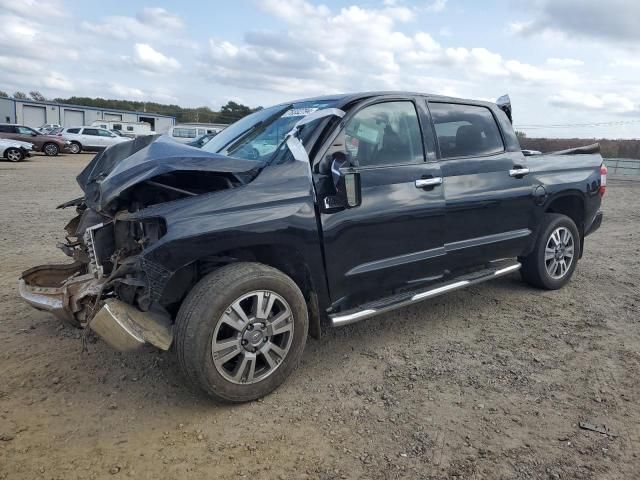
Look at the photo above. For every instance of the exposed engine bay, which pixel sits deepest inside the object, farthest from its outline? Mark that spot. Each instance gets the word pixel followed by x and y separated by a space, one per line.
pixel 105 241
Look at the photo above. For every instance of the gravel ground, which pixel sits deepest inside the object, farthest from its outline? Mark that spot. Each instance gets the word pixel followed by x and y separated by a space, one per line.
pixel 490 382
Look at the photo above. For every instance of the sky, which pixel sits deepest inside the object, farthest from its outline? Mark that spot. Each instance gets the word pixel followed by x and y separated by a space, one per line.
pixel 571 67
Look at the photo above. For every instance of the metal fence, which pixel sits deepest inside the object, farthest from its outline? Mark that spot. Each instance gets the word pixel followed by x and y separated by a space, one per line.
pixel 622 166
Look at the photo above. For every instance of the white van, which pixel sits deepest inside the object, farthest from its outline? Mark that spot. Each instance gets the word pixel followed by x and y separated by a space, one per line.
pixel 128 129
pixel 187 133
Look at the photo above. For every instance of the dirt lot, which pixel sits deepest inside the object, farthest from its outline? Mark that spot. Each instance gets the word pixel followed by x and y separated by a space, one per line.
pixel 490 382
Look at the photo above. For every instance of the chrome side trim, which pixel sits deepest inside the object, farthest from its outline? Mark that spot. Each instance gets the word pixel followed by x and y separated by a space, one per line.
pixel 396 261
pixel 493 238
pixel 353 317
pixel 505 270
pixel 440 290
pixel 338 320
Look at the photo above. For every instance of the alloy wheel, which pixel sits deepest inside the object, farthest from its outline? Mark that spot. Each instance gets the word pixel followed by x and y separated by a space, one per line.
pixel 51 149
pixel 253 337
pixel 14 155
pixel 559 252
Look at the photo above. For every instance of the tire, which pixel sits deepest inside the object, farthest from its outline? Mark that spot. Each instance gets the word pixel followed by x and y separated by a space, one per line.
pixel 14 154
pixel 543 267
pixel 209 314
pixel 50 149
pixel 75 148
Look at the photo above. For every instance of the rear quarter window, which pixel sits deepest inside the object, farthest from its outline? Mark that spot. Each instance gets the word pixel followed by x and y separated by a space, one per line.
pixel 465 130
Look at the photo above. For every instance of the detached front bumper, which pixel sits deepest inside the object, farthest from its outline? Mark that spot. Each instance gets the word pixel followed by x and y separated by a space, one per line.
pixel 69 295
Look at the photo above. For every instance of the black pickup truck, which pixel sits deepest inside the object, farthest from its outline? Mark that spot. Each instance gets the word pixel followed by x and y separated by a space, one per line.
pixel 320 211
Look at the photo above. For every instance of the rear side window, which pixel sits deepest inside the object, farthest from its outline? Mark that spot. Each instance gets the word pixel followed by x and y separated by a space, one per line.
pixel 465 130
pixel 90 131
pixel 73 130
pixel 7 129
pixel 384 134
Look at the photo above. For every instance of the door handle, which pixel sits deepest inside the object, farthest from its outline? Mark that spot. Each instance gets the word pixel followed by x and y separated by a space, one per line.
pixel 518 172
pixel 428 182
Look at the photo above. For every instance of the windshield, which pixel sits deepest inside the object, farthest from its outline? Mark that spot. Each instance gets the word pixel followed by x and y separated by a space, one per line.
pixel 258 136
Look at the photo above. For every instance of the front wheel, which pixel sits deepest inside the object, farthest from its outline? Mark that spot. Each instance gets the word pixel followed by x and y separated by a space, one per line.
pixel 50 149
pixel 555 256
pixel 14 154
pixel 241 331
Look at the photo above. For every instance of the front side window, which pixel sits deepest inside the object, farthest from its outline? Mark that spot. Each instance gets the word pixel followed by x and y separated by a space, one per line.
pixel 104 133
pixel 465 130
pixel 26 131
pixel 384 134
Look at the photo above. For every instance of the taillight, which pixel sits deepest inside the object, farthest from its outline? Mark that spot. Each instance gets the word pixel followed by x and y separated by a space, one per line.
pixel 603 180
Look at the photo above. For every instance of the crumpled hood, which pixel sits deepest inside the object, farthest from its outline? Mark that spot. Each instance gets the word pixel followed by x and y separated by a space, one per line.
pixel 126 164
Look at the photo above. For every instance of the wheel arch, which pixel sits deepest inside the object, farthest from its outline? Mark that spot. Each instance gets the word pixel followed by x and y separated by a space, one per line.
pixel 284 258
pixel 571 204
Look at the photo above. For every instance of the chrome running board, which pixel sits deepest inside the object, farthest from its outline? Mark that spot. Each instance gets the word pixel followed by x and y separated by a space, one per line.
pixel 378 307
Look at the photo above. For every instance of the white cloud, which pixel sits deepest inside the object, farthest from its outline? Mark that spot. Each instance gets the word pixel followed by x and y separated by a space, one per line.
pixel 155 24
pixel 610 102
pixel 36 9
pixel 564 62
pixel 161 18
pixel 436 6
pixel 151 60
pixel 57 81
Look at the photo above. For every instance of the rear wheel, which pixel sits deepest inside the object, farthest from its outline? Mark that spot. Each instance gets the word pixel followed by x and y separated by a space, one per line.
pixel 14 154
pixel 241 331
pixel 75 147
pixel 555 256
pixel 50 149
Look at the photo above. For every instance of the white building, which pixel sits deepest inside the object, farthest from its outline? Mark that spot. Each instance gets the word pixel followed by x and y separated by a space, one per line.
pixel 35 114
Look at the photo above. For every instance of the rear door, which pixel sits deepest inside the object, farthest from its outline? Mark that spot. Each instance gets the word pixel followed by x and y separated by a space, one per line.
pixel 394 239
pixel 488 194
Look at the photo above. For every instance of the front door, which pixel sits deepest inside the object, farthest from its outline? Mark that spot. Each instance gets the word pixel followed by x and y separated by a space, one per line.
pixel 394 239
pixel 489 205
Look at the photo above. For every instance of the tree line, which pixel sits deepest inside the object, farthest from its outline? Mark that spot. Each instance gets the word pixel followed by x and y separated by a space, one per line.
pixel 229 113
pixel 608 148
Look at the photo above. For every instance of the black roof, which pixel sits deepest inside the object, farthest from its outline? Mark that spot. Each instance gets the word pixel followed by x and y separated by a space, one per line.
pixel 342 99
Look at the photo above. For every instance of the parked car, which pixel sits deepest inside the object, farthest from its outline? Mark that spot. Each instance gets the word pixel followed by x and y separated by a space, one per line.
pixel 47 127
pixel 54 131
pixel 202 140
pixel 370 202
pixel 90 138
pixel 48 144
pixel 14 150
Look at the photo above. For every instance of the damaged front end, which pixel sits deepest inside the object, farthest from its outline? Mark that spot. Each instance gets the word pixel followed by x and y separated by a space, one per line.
pixel 106 288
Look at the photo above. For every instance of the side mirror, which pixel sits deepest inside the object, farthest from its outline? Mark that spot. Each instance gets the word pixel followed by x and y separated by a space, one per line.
pixel 34 134
pixel 346 182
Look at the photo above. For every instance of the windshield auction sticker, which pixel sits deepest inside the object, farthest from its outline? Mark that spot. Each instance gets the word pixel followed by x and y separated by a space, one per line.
pixel 299 112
